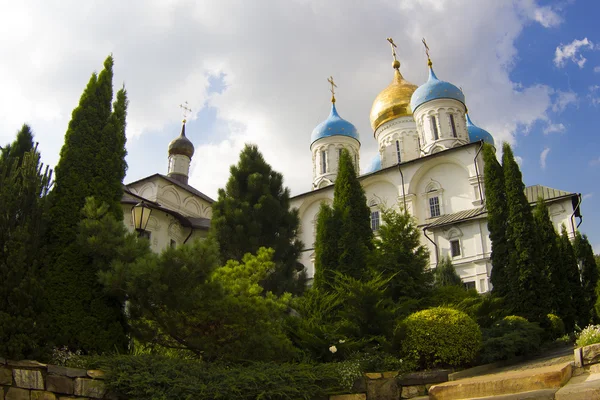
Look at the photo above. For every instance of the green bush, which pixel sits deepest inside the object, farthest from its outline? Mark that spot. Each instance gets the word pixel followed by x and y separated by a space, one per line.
pixel 590 335
pixel 439 337
pixel 510 337
pixel 557 326
pixel 449 296
pixel 163 378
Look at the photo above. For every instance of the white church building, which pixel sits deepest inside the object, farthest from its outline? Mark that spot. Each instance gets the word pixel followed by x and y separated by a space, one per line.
pixel 429 163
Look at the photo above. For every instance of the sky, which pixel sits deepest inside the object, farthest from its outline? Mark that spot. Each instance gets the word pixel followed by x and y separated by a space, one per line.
pixel 256 72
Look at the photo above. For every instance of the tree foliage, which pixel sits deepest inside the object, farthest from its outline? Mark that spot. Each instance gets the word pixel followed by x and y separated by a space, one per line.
pixel 445 274
pixel 327 252
pixel 24 185
pixel 253 211
pixel 572 311
pixel 589 277
pixel 529 295
pixel 91 164
pixel 401 258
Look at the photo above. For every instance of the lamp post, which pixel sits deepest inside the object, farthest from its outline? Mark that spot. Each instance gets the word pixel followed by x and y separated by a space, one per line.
pixel 140 214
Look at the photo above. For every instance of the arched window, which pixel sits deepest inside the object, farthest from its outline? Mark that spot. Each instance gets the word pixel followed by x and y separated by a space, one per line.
pixel 434 128
pixel 453 125
pixel 323 161
pixel 398 156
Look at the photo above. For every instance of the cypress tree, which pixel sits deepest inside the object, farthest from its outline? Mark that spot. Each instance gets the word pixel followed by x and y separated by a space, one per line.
pixel 350 207
pixel 91 163
pixel 24 185
pixel 529 295
pixel 589 277
pixel 571 283
pixel 327 253
pixel 550 255
pixel 445 274
pixel 495 202
pixel 253 211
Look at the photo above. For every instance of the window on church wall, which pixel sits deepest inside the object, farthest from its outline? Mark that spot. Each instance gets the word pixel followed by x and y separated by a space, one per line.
pixel 434 206
pixel 455 248
pixel 398 156
pixel 453 125
pixel 323 161
pixel 375 220
pixel 469 285
pixel 434 128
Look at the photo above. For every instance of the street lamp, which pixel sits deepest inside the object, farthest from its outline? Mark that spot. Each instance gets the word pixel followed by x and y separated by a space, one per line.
pixel 140 214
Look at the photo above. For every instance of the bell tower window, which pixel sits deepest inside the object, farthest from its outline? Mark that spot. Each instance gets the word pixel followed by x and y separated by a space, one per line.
pixel 398 156
pixel 453 125
pixel 434 128
pixel 323 161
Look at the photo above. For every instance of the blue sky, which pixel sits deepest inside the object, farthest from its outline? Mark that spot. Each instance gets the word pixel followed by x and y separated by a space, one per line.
pixel 256 72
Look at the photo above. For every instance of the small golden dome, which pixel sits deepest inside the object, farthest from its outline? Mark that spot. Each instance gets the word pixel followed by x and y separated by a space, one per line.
pixel 393 101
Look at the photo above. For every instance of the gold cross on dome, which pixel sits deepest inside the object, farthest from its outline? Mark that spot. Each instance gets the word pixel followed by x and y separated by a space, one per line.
pixel 393 45
pixel 332 90
pixel 426 51
pixel 185 110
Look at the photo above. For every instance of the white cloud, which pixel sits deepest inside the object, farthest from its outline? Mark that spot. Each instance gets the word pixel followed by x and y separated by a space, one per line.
pixel 275 57
pixel 519 160
pixel 595 161
pixel 571 52
pixel 587 196
pixel 597 69
pixel 563 99
pixel 554 128
pixel 543 157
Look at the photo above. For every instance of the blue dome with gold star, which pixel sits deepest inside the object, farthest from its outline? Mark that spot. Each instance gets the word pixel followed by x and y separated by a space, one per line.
pixel 476 133
pixel 334 125
pixel 435 89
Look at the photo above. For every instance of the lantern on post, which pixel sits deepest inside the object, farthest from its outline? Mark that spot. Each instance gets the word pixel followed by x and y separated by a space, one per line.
pixel 140 214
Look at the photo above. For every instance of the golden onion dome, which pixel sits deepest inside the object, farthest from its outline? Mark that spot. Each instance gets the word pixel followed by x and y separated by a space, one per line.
pixel 393 101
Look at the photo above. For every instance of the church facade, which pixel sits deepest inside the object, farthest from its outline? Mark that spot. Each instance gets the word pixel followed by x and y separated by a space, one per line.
pixel 430 164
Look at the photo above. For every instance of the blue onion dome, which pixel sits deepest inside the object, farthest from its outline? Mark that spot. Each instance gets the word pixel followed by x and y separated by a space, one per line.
pixel 375 164
pixel 476 133
pixel 435 89
pixel 181 145
pixel 334 125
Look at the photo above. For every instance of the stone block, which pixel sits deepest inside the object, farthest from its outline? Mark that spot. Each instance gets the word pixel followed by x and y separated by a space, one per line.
pixel 66 371
pixel 590 354
pixel 96 374
pixel 90 388
pixel 423 377
pixel 374 375
pixel 360 385
pixel 383 389
pixel 17 394
pixel 28 378
pixel 390 374
pixel 354 396
pixel 578 357
pixel 5 376
pixel 60 384
pixel 409 392
pixel 41 395
pixel 25 364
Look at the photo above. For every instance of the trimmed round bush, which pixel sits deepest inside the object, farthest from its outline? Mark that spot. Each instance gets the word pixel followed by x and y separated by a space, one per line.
pixel 557 326
pixel 439 337
pixel 589 335
pixel 511 337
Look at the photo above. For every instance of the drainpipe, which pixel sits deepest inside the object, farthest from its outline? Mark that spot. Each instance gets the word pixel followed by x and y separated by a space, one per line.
pixel 573 215
pixel 403 193
pixel 434 244
pixel 477 172
pixel 190 235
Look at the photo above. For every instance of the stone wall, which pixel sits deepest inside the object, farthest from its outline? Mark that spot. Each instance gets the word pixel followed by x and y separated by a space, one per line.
pixel 31 380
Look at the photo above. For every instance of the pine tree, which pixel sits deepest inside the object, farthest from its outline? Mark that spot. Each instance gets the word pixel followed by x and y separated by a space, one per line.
pixel 24 184
pixel 401 258
pixel 445 274
pixel 550 255
pixel 253 211
pixel 350 207
pixel 495 201
pixel 529 296
pixel 327 253
pixel 571 283
pixel 589 277
pixel 91 164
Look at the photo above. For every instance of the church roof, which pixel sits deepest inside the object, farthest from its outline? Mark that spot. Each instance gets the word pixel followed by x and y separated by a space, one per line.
pixel 536 191
pixel 175 182
pixel 334 125
pixel 435 89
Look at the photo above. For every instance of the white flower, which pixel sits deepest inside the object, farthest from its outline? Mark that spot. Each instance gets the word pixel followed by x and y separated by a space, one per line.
pixel 342 341
pixel 333 349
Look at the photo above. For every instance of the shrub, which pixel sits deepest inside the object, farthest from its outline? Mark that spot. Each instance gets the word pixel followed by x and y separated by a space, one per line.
pixel 510 337
pixel 557 326
pixel 158 377
pixel 590 335
pixel 439 337
pixel 449 296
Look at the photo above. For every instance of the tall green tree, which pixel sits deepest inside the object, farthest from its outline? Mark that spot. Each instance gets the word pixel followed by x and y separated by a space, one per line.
pixel 24 184
pixel 327 252
pixel 21 145
pixel 589 277
pixel 550 255
pixel 401 258
pixel 529 295
pixel 575 308
pixel 91 164
pixel 253 211
pixel 350 207
pixel 445 274
pixel 495 202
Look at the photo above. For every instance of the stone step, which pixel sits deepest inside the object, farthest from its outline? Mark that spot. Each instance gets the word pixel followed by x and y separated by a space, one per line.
pixel 543 394
pixel 583 387
pixel 503 383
